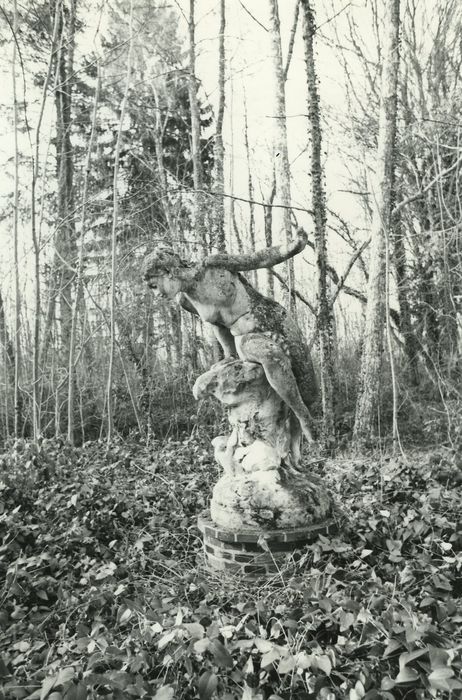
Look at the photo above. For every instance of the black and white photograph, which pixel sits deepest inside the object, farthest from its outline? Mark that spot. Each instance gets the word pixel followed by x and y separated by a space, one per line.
pixel 231 349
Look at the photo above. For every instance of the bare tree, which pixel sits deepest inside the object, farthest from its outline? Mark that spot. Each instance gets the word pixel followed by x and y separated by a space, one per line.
pixel 367 400
pixel 281 153
pixel 324 308
pixel 199 208
pixel 17 296
pixel 9 362
pixel 61 279
pixel 36 400
pixel 219 183
pixel 80 264
pixel 115 212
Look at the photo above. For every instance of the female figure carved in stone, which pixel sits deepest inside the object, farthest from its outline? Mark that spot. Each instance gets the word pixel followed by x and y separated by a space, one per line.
pixel 247 324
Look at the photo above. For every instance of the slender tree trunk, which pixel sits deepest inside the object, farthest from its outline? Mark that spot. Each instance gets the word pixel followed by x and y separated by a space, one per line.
pixel 280 144
pixel 254 276
pixel 175 325
pixel 199 208
pixel 62 272
pixel 9 362
pixel 115 213
pixel 79 280
pixel 268 221
pixel 371 360
pixel 159 148
pixel 411 346
pixel 324 309
pixel 36 398
pixel 17 297
pixel 218 233
pixel 65 239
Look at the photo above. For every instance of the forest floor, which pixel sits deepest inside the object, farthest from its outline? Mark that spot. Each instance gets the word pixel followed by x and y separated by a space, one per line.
pixel 104 593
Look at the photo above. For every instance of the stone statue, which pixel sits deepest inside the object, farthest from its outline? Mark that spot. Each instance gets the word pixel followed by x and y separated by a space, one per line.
pixel 267 384
pixel 259 487
pixel 247 324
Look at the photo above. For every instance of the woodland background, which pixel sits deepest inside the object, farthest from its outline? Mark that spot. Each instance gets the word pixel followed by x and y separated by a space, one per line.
pixel 129 125
pixel 207 125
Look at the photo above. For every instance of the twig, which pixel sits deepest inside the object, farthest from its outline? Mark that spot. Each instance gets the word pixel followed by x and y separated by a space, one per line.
pixel 294 291
pixel 252 16
pixel 293 31
pixel 343 277
pixel 427 187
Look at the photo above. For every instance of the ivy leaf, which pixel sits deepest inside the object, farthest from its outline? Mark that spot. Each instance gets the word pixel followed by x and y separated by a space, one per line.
pixel 347 619
pixel 286 665
pixel 324 664
pixel 208 684
pixel 407 675
pixel 47 686
pixel 201 645
pixel 387 683
pixel 407 656
pixel 221 654
pixel 270 657
pixel 166 639
pixel 195 630
pixel 440 676
pixel 263 645
pixel 392 646
pixel 166 692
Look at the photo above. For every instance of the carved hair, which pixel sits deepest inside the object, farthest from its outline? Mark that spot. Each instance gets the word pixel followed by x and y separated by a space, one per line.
pixel 164 260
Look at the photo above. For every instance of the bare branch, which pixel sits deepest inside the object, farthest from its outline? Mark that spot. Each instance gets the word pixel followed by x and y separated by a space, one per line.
pixel 427 187
pixel 293 31
pixel 295 292
pixel 343 277
pixel 253 17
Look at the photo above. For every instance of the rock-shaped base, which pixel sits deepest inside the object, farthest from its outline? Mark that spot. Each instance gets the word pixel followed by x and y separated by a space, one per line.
pixel 261 500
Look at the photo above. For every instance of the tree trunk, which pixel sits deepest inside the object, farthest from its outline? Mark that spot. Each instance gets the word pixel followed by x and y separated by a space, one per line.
pixel 62 270
pixel 371 361
pixel 324 309
pixel 218 233
pixel 9 361
pixel 65 239
pixel 411 346
pixel 268 221
pixel 17 297
pixel 280 144
pixel 36 398
pixel 79 280
pixel 159 128
pixel 254 276
pixel 115 213
pixel 199 208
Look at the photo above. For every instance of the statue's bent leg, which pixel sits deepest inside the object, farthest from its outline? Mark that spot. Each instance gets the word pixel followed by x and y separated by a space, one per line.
pixel 259 348
pixel 226 340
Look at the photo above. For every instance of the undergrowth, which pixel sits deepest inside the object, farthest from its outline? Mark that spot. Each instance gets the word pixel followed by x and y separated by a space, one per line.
pixel 104 593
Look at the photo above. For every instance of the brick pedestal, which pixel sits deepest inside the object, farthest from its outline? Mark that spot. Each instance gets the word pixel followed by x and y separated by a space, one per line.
pixel 240 552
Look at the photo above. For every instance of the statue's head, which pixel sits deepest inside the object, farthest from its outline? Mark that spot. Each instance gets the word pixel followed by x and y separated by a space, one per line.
pixel 165 272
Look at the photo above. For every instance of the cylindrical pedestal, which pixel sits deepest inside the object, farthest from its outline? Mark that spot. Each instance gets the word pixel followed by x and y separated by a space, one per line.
pixel 252 553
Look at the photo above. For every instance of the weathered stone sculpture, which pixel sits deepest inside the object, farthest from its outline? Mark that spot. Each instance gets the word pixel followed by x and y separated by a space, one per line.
pixel 267 384
pixel 259 488
pixel 246 323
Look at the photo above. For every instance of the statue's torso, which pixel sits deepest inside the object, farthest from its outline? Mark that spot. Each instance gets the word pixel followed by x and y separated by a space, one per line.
pixel 220 297
pixel 225 299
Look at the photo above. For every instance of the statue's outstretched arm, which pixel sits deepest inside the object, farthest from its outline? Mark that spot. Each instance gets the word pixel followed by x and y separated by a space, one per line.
pixel 259 258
